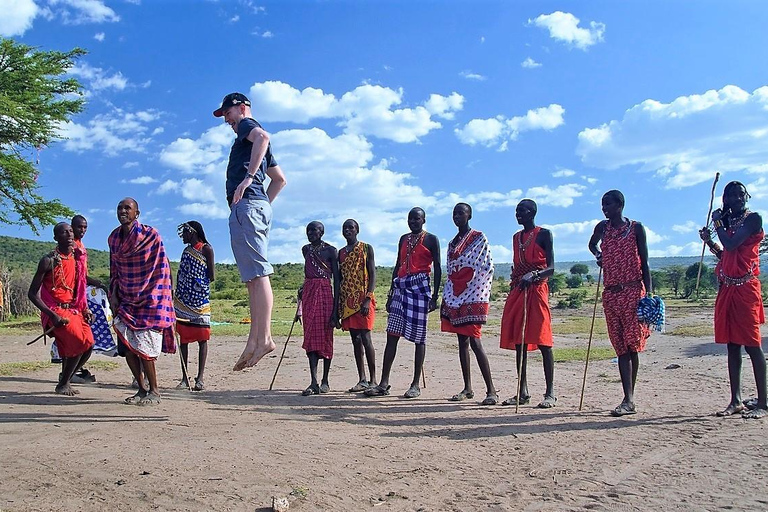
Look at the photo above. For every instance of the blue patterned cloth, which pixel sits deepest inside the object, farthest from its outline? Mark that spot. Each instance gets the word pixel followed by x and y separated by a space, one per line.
pixel 193 289
pixel 409 308
pixel 104 343
pixel 650 310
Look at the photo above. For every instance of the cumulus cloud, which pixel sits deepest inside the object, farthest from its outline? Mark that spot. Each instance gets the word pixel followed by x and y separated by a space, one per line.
pixel 498 130
pixel 141 180
pixel 689 249
pixel 469 75
pixel 205 154
pixel 685 141
pixel 529 63
pixel 77 12
pixel 563 173
pixel 564 27
pixel 17 17
pixel 113 133
pixel 99 36
pixel 98 79
pixel 562 195
pixel 688 227
pixel 368 110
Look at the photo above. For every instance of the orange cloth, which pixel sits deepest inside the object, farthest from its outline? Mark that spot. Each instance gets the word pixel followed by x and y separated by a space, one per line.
pixel 418 261
pixel 190 333
pixel 528 255
pixel 60 282
pixel 471 330
pixel 739 308
pixel 360 322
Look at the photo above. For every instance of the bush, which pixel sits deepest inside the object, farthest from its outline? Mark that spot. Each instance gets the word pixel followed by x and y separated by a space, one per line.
pixel 573 281
pixel 557 282
pixel 574 300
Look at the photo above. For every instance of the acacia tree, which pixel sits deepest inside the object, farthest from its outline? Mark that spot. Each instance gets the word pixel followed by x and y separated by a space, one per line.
pixel 35 99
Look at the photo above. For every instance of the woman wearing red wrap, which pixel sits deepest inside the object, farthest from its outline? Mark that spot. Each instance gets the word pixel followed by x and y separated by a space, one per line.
pixel 623 255
pixel 739 303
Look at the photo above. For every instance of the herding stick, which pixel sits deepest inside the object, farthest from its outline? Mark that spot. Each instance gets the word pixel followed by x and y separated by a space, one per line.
pixel 46 333
pixel 295 317
pixel 591 330
pixel 523 348
pixel 704 244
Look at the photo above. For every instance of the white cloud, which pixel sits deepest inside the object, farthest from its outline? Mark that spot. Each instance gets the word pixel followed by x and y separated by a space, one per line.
pixel 129 165
pixel 529 63
pixel 206 154
pixel 84 11
pixel 113 133
pixel 569 228
pixel 562 195
pixel 97 78
pixel 17 17
pixel 99 36
pixel 501 253
pixel 141 180
pixel 688 227
pixel 493 131
pixel 469 75
pixel 689 249
pixel 234 19
pixel 564 26
pixel 653 238
pixel 168 186
pixel 205 210
pixel 267 34
pixel 482 39
pixel 366 110
pixel 563 173
pixel 685 141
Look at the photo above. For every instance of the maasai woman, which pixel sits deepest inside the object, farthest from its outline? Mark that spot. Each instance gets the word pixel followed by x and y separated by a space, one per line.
pixel 319 305
pixel 466 298
pixel 526 311
pixel 357 303
pixel 192 298
pixel 739 304
pixel 623 255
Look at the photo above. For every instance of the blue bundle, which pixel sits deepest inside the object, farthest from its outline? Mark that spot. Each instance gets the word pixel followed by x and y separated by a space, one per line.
pixel 650 310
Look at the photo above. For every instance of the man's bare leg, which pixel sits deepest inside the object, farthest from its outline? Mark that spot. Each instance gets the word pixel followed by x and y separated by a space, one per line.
pixel 260 336
pixel 68 366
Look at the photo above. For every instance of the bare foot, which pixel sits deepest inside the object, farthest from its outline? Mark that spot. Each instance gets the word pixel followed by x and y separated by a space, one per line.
pixel 260 353
pixel 65 389
pixel 242 363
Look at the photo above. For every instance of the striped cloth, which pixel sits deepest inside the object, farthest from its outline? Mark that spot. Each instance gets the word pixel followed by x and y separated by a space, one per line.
pixel 409 307
pixel 650 310
pixel 141 275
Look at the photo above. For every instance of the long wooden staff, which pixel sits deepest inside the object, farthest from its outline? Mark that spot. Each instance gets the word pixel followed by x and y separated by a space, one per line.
pixel 46 333
pixel 589 343
pixel 523 347
pixel 184 368
pixel 704 244
pixel 295 317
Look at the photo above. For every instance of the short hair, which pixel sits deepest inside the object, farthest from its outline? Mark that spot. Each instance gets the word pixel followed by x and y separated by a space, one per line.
pixel 616 195
pixel 418 209
pixel 78 217
pixel 532 204
pixel 318 223
pixel 357 226
pixel 58 225
pixel 733 184
pixel 467 205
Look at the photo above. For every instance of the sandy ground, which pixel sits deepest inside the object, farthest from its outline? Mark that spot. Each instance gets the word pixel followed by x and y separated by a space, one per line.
pixel 235 445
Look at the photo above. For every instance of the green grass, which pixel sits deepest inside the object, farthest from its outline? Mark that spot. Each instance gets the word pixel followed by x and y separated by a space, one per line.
pixel 563 355
pixel 579 325
pixel 693 330
pixel 96 364
pixel 8 369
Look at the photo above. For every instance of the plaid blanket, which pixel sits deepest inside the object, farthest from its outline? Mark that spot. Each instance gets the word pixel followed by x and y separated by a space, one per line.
pixel 140 274
pixel 409 307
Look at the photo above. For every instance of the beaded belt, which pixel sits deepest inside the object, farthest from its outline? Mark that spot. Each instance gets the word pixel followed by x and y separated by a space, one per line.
pixel 66 306
pixel 621 286
pixel 736 281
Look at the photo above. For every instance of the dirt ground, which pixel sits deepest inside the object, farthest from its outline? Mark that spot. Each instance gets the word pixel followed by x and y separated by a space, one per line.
pixel 235 445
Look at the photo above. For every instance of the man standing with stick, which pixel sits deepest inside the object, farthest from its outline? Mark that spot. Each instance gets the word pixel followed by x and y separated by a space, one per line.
pixel 623 255
pixel 250 162
pixel 526 318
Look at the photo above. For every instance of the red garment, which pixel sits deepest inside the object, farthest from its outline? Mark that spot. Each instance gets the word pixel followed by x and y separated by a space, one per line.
pixel 623 272
pixel 317 308
pixel 418 261
pixel 190 333
pixel 471 330
pixel 528 256
pixel 61 286
pixel 739 307
pixel 360 322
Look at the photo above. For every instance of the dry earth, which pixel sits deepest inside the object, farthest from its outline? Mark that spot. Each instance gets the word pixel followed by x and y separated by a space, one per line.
pixel 235 445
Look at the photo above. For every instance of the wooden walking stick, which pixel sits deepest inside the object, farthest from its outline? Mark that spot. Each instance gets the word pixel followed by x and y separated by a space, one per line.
pixel 523 348
pixel 46 333
pixel 704 244
pixel 589 343
pixel 295 317
pixel 184 368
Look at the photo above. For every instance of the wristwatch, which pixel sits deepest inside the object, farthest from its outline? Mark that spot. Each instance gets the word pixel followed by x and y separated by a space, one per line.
pixel 252 176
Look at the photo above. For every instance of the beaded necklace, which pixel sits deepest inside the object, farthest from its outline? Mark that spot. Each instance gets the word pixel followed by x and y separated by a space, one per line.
pixel 314 258
pixel 58 270
pixel 735 224
pixel 522 246
pixel 412 241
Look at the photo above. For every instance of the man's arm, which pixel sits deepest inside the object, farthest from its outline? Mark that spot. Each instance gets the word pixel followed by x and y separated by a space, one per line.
pixel 543 240
pixel 752 224
pixel 597 235
pixel 209 261
pixel 333 258
pixel 277 182
pixel 394 272
pixel 260 140
pixel 642 250
pixel 433 244
pixel 45 266
pixel 370 266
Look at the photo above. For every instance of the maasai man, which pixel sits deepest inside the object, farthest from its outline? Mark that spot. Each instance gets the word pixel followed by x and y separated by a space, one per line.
pixel 357 304
pixel 410 299
pixel 141 298
pixel 533 262
pixel 739 304
pixel 466 297
pixel 250 162
pixel 623 255
pixel 192 298
pixel 319 307
pixel 58 291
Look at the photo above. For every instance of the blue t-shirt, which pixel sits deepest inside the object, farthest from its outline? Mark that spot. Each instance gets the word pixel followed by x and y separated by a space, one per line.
pixel 240 157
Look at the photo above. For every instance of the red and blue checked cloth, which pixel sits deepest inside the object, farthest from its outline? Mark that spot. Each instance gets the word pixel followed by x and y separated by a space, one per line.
pixel 409 307
pixel 141 275
pixel 317 308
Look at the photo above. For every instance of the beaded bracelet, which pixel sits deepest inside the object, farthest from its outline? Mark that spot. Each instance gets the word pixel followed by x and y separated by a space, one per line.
pixel 718 223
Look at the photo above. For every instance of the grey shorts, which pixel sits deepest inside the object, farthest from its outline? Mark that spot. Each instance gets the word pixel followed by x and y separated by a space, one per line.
pixel 249 223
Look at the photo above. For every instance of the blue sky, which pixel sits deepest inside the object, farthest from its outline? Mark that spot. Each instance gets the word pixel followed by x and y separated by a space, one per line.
pixel 375 107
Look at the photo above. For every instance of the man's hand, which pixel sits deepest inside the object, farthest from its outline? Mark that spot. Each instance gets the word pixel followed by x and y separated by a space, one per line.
pixel 526 280
pixel 717 214
pixel 432 304
pixel 114 304
pixel 599 259
pixel 57 320
pixel 89 316
pixel 365 307
pixel 705 234
pixel 240 190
